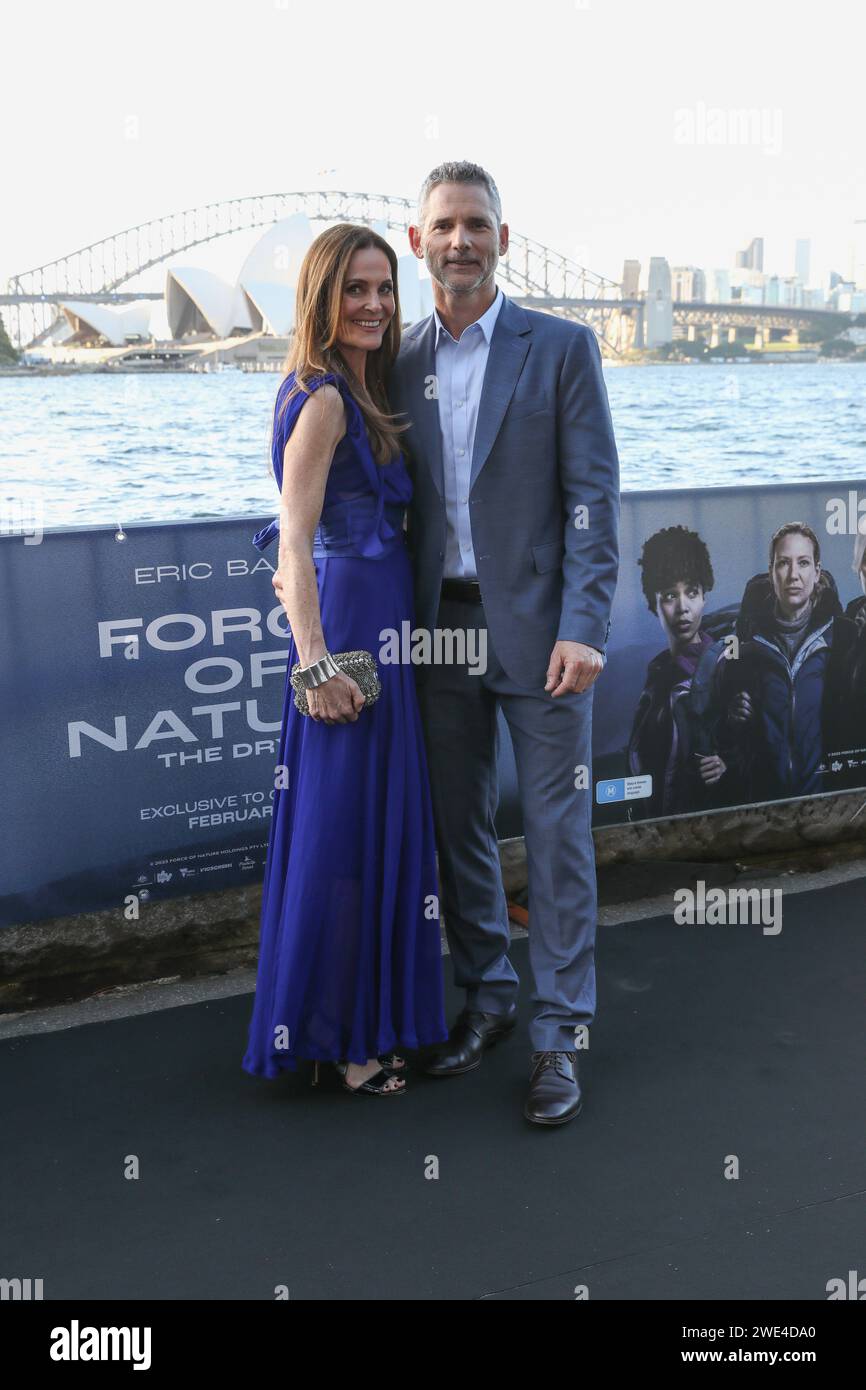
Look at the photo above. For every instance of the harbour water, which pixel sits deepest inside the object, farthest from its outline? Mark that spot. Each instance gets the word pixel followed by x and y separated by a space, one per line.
pixel 178 446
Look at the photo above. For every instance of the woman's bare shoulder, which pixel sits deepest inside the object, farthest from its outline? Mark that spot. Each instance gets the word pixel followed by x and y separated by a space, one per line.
pixel 323 412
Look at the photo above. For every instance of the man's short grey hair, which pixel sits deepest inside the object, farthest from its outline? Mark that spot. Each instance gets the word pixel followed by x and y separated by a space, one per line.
pixel 459 171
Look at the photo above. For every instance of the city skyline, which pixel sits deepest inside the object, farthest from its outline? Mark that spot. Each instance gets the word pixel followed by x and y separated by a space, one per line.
pixel 197 309
pixel 687 160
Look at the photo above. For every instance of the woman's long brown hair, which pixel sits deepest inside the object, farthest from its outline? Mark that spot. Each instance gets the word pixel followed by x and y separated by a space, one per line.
pixel 314 348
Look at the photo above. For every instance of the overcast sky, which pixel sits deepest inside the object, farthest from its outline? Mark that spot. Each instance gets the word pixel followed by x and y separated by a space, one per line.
pixel 600 121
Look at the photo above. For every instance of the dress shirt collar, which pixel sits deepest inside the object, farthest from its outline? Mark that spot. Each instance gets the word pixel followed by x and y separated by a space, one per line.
pixel 486 322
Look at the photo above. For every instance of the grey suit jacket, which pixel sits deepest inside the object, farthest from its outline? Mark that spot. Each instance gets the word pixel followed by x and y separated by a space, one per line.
pixel 544 449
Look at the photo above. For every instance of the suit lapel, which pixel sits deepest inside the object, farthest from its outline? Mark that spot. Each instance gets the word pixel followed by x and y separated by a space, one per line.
pixel 422 407
pixel 505 360
pixel 508 348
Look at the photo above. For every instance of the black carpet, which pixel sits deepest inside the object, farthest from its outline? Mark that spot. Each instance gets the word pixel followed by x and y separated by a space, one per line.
pixel 710 1041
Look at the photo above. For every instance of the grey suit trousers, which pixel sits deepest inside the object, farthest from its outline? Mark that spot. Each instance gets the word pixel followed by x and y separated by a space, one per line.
pixel 552 740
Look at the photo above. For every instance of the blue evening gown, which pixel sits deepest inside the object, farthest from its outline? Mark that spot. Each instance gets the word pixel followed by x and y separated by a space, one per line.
pixel 350 958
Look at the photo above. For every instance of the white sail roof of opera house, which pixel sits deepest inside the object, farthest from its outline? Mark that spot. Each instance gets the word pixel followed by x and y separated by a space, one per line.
pixel 115 325
pixel 271 307
pixel 269 275
pixel 199 301
pixel 263 297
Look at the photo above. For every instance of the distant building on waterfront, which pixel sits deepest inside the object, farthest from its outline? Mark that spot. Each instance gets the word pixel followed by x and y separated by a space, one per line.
pixel 688 284
pixel 748 291
pixel 658 309
pixel 747 282
pixel 753 256
pixel 802 259
pixel 719 287
pixel 630 279
pixel 785 290
pixel 850 300
pixel 814 297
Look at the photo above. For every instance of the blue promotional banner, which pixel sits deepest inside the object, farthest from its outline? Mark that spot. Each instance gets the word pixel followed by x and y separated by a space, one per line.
pixel 144 673
pixel 733 680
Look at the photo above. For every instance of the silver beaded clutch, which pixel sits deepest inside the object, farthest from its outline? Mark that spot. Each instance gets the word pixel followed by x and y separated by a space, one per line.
pixel 361 666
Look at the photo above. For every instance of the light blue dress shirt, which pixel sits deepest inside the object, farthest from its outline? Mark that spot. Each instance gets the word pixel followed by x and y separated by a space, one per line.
pixel 460 366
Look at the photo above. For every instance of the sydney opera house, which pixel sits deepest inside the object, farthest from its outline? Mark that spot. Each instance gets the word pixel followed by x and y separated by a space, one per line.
pixel 204 319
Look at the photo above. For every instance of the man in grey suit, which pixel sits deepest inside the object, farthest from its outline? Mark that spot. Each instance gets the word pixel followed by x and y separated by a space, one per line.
pixel 513 531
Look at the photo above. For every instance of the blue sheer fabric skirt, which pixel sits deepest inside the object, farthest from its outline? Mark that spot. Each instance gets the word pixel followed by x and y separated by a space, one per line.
pixel 350 957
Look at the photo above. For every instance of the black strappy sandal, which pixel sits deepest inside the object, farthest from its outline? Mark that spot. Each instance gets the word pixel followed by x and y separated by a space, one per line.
pixel 375 1085
pixel 387 1061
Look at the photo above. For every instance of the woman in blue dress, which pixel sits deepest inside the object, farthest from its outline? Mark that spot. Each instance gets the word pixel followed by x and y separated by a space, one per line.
pixel 350 967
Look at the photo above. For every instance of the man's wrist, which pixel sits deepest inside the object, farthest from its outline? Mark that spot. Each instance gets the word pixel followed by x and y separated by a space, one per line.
pixel 582 642
pixel 599 637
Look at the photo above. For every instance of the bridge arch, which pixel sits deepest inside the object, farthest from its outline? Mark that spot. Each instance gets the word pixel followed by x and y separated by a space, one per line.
pixel 101 270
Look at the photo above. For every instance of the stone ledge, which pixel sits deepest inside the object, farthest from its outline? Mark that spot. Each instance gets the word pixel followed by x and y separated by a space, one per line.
pixel 64 959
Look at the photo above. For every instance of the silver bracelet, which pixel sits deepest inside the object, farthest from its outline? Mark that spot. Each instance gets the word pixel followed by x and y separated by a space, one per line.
pixel 318 672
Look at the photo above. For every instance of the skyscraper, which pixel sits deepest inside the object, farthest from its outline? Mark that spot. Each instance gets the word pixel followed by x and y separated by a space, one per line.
pixel 658 306
pixel 688 283
pixel 630 279
pixel 719 287
pixel 753 256
pixel 802 258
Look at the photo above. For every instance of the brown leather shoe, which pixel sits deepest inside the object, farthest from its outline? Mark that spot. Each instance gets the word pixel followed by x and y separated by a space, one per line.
pixel 468 1040
pixel 554 1090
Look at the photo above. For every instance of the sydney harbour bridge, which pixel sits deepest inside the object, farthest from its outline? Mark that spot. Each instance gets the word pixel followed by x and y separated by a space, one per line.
pixel 533 274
